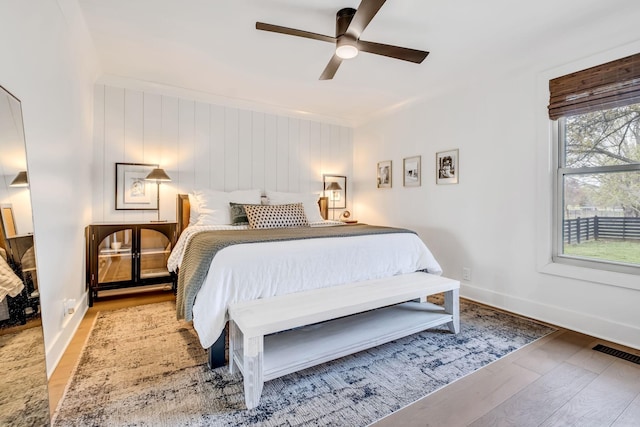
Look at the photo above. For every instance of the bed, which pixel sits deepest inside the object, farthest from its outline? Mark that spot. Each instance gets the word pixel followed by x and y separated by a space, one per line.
pixel 254 264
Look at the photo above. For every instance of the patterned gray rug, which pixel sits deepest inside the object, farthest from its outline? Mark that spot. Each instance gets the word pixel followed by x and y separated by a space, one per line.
pixel 141 367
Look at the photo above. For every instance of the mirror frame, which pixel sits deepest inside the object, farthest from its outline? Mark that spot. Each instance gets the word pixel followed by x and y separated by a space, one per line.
pixel 24 380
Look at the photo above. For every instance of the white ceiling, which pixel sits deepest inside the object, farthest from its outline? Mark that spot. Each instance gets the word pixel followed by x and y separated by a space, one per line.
pixel 212 46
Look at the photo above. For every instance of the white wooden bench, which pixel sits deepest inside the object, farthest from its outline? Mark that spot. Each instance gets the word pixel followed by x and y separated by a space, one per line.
pixel 354 320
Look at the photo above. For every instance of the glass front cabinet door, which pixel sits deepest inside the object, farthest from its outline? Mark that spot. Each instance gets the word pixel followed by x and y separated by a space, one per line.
pixel 128 255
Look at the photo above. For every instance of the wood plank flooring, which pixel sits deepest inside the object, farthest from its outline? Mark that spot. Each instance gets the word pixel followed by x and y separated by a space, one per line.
pixel 556 381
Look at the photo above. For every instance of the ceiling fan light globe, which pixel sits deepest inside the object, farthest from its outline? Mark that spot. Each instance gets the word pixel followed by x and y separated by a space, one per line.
pixel 347 51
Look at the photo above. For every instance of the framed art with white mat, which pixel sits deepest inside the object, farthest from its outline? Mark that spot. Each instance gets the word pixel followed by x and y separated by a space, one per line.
pixel 447 167
pixel 411 171
pixel 133 192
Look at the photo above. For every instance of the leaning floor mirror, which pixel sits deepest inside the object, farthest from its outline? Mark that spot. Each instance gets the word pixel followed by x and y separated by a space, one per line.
pixel 24 397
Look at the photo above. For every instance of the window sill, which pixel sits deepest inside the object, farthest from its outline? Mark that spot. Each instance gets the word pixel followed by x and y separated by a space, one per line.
pixel 611 278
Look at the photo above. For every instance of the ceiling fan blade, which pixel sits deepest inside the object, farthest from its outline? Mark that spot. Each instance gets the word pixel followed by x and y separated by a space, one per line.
pixel 293 32
pixel 404 53
pixel 331 68
pixel 364 14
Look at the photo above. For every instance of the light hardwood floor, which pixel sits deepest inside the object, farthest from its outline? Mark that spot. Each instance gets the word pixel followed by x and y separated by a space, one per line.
pixel 556 381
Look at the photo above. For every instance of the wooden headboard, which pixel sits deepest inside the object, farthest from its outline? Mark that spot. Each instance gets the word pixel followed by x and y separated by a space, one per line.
pixel 184 210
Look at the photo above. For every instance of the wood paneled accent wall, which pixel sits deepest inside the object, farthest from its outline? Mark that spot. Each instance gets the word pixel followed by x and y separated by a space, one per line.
pixel 204 145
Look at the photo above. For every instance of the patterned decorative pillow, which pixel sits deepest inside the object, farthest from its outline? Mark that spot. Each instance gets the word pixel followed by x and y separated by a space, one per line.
pixel 276 216
pixel 308 200
pixel 238 214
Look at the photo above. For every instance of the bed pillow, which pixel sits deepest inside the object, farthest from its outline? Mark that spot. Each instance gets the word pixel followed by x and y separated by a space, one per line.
pixel 308 200
pixel 276 216
pixel 194 209
pixel 238 214
pixel 214 208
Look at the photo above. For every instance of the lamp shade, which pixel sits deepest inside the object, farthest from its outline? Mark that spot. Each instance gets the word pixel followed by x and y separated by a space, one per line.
pixel 21 180
pixel 158 174
pixel 334 186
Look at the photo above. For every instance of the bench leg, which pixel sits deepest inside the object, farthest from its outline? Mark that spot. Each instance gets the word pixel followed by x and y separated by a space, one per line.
pixel 235 345
pixel 452 306
pixel 253 379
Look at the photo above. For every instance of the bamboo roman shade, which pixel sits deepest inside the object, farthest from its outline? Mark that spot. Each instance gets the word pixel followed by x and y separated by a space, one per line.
pixel 614 84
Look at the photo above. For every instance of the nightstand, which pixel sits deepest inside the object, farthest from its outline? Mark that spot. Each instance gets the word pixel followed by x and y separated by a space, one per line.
pixel 125 255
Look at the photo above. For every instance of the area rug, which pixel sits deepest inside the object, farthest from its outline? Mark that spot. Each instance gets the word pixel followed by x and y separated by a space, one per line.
pixel 141 367
pixel 24 399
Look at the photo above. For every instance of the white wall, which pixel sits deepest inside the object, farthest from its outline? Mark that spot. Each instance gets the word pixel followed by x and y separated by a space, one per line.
pixel 19 199
pixel 202 144
pixel 489 222
pixel 13 160
pixel 48 63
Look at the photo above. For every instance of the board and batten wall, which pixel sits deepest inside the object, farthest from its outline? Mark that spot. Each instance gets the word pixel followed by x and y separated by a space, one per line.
pixel 205 145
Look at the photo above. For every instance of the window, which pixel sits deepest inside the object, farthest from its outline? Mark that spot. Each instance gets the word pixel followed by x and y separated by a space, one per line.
pixel 597 200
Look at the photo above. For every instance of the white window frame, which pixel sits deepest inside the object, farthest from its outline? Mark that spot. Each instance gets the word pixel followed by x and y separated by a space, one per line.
pixel 546 177
pixel 561 171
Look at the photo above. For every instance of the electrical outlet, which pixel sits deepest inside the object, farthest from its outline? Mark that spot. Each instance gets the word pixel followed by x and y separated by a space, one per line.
pixel 466 273
pixel 69 306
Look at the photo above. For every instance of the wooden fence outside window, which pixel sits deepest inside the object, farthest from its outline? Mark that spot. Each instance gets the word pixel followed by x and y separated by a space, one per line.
pixel 583 229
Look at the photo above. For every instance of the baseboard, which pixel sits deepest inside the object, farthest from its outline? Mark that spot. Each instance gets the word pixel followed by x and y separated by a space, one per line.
pixel 620 333
pixel 56 349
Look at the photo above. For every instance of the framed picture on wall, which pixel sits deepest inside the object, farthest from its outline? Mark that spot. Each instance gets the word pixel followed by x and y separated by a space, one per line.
pixel 337 197
pixel 411 173
pixel 447 167
pixel 384 174
pixel 132 191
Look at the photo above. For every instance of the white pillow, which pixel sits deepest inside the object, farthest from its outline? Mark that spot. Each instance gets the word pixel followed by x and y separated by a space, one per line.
pixel 214 208
pixel 194 209
pixel 309 202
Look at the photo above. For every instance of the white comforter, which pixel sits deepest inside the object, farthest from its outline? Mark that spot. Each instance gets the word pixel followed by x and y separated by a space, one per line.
pixel 260 270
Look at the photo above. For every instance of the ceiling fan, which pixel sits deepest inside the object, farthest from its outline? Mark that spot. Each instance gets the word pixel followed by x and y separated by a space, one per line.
pixel 350 23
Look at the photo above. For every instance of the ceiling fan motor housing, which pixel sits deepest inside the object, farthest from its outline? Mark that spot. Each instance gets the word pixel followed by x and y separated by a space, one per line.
pixel 343 19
